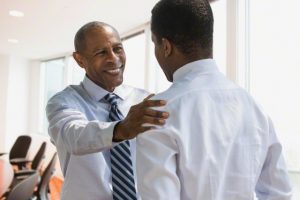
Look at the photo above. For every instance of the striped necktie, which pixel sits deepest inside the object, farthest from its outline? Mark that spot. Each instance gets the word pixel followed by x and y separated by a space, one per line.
pixel 121 164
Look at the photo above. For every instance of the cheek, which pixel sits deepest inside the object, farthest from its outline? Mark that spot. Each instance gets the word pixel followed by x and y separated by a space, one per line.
pixel 156 55
pixel 97 65
pixel 95 70
pixel 122 58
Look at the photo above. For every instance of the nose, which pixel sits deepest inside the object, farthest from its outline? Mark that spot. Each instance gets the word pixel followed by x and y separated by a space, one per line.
pixel 112 57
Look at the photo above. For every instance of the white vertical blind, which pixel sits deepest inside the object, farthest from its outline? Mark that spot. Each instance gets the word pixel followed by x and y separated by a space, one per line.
pixel 135 48
pixel 270 42
pixel 275 68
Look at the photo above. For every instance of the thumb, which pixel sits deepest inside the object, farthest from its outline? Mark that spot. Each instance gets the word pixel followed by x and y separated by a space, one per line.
pixel 149 96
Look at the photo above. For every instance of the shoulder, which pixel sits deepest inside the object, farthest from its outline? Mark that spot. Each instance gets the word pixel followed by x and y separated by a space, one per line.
pixel 171 94
pixel 132 89
pixel 67 98
pixel 65 95
pixel 133 92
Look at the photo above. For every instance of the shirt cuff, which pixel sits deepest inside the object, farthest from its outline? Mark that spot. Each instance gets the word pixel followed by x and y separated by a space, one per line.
pixel 108 132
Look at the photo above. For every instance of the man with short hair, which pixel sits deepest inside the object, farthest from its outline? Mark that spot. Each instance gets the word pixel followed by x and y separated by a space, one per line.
pixel 218 144
pixel 95 143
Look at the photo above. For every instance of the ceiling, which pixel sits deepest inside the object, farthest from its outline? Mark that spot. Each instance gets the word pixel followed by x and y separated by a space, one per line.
pixel 48 26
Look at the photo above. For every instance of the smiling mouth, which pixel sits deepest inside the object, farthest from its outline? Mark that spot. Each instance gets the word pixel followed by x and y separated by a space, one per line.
pixel 115 71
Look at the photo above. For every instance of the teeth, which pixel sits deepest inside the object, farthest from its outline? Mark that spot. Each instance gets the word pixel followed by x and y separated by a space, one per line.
pixel 114 71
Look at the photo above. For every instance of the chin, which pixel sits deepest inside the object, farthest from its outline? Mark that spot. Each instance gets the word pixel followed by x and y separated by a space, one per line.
pixel 117 83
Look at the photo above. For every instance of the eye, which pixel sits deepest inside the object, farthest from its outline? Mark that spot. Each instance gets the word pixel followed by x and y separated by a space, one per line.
pixel 100 53
pixel 118 49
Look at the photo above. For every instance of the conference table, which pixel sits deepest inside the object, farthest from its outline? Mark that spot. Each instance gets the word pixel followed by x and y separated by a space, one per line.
pixel 6 175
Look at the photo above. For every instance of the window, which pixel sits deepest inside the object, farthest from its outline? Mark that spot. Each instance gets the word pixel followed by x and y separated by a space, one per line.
pixel 274 73
pixel 219 9
pixel 134 46
pixel 270 34
pixel 53 82
pixel 54 72
pixel 76 72
pixel 57 74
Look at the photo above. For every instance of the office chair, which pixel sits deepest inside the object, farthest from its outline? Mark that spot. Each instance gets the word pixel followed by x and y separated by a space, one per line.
pixel 24 190
pixel 35 163
pixel 19 149
pixel 43 187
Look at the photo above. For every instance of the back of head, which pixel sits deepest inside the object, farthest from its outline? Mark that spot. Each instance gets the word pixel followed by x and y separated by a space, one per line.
pixel 186 23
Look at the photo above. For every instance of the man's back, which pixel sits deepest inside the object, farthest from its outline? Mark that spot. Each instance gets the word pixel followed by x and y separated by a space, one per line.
pixel 214 145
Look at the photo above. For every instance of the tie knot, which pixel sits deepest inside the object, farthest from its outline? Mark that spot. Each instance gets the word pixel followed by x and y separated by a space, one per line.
pixel 111 98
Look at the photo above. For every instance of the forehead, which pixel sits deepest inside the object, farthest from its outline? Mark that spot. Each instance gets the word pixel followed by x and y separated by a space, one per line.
pixel 101 36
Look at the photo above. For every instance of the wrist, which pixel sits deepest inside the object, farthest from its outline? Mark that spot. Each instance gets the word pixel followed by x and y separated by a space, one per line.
pixel 117 133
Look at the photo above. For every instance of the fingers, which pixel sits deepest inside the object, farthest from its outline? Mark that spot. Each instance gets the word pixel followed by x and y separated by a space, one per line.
pixel 154 103
pixel 156 113
pixel 149 96
pixel 141 118
pixel 152 121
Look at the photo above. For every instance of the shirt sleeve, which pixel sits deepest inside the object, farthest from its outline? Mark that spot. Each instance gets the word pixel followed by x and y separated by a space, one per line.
pixel 156 165
pixel 273 182
pixel 70 129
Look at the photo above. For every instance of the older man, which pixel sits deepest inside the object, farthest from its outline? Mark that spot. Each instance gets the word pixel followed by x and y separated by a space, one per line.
pixel 95 143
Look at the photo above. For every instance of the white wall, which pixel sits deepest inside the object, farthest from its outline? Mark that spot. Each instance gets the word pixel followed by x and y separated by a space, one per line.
pixel 17 99
pixel 34 106
pixel 4 66
pixel 20 105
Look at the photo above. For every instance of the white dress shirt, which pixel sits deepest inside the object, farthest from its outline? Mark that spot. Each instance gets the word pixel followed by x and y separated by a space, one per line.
pixel 217 144
pixel 79 128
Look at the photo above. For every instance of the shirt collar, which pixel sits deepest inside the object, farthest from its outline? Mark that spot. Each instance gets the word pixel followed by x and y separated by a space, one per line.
pixel 97 92
pixel 203 66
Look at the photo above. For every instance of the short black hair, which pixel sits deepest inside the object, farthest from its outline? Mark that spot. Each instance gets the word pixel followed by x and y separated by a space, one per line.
pixel 79 40
pixel 186 23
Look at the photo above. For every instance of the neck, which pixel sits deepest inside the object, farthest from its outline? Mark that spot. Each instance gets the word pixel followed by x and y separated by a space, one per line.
pixel 182 60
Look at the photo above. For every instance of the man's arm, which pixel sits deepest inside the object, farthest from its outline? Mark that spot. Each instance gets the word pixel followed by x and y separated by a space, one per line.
pixel 157 165
pixel 273 182
pixel 71 130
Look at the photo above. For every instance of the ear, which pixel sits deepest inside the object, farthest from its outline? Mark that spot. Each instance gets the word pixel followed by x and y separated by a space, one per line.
pixel 167 47
pixel 79 59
